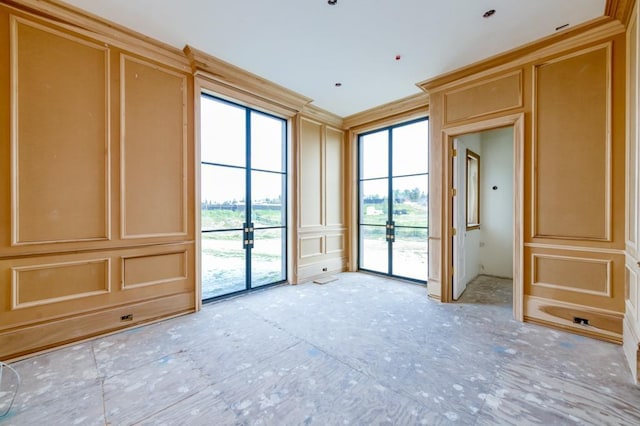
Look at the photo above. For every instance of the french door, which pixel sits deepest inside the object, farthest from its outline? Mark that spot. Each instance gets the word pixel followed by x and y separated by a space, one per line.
pixel 243 198
pixel 393 200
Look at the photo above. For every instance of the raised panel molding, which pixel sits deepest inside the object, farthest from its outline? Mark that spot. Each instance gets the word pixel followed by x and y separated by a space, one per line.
pixel 484 98
pixel 334 243
pixel 42 284
pixel 575 274
pixel 153 150
pixel 572 147
pixel 310 174
pixel 60 140
pixel 334 177
pixel 311 246
pixel 153 269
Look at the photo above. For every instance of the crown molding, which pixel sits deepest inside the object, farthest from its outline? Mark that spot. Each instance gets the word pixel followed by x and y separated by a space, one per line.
pixel 90 25
pixel 590 32
pixel 414 105
pixel 231 76
pixel 322 115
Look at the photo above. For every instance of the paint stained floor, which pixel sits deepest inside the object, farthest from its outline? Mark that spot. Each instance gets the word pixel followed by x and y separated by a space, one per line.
pixel 360 350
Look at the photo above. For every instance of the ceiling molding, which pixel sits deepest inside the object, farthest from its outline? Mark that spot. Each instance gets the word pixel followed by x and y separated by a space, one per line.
pixel 590 32
pixel 417 105
pixel 620 10
pixel 323 115
pixel 232 76
pixel 87 24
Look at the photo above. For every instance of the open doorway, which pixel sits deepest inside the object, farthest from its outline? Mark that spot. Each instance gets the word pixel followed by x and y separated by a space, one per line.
pixel 514 126
pixel 483 173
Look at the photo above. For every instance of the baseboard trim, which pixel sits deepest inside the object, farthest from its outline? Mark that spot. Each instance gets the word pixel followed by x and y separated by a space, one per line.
pixel 603 324
pixel 27 341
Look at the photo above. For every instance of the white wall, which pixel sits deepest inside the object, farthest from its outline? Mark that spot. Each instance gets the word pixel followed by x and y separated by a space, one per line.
pixel 470 264
pixel 496 206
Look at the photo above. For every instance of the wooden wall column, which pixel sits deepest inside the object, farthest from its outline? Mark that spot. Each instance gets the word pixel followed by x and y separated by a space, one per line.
pixel 571 92
pixel 96 187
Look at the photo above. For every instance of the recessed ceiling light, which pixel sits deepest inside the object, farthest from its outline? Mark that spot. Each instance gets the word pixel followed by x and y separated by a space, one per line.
pixel 489 13
pixel 338 84
pixel 561 27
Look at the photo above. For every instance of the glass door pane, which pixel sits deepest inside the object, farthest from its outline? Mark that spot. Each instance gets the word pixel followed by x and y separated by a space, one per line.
pixel 243 193
pixel 374 249
pixel 222 205
pixel 222 132
pixel 410 150
pixel 410 253
pixel 223 263
pixel 410 183
pixel 268 257
pixel 374 155
pixel 268 142
pixel 393 217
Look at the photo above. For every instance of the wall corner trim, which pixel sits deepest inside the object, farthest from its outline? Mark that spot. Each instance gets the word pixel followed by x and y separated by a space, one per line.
pixel 620 10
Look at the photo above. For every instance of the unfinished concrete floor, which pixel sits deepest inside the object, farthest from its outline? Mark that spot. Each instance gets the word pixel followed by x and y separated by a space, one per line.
pixel 359 350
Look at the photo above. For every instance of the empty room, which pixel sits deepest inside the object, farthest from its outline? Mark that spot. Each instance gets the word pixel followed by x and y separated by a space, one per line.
pixel 319 212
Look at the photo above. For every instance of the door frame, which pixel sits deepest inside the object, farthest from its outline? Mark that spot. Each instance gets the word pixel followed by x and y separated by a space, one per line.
pixel 448 135
pixel 248 227
pixel 204 83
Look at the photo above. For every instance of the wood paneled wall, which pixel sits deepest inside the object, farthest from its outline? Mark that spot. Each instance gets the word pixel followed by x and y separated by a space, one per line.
pixel 96 183
pixel 571 94
pixel 631 329
pixel 321 234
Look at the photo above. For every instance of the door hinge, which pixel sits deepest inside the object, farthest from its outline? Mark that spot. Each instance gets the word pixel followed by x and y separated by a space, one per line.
pixel 454 152
pixel 454 192
pixel 453 231
pixel 452 274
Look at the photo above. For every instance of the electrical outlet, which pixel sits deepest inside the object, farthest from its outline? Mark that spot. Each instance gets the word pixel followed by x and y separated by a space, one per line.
pixel 581 321
pixel 324 269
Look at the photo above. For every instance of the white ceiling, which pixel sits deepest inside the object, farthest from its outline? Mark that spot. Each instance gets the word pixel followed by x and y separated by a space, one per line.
pixel 308 45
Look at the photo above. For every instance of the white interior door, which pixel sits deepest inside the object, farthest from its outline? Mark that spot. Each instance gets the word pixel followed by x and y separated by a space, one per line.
pixel 459 219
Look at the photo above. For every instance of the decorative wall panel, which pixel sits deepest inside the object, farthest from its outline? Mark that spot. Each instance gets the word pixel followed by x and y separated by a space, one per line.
pixel 153 150
pixel 153 269
pixel 334 193
pixel 49 283
pixel 334 243
pixel 310 174
pixel 582 275
pixel 60 136
pixel 311 246
pixel 488 97
pixel 572 147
